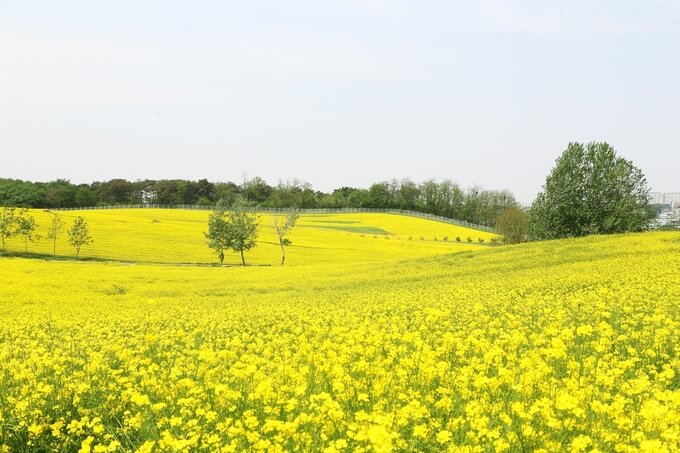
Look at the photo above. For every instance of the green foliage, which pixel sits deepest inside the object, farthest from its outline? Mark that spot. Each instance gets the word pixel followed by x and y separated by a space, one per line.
pixel 256 190
pixel 85 197
pixel 56 225
pixel 590 190
pixel 232 228
pixel 444 198
pixel 282 226
pixel 59 193
pixel 242 228
pixel 204 201
pixel 292 193
pixel 218 231
pixel 79 235
pixel 8 225
pixel 512 223
pixel 14 192
pixel 26 226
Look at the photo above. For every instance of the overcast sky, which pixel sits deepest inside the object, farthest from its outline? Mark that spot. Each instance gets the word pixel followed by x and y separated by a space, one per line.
pixel 336 93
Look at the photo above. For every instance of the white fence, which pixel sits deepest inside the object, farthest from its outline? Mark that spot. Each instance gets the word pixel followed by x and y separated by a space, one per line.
pixel 301 211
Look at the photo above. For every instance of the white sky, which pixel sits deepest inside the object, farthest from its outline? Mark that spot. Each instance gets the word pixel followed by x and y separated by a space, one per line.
pixel 336 93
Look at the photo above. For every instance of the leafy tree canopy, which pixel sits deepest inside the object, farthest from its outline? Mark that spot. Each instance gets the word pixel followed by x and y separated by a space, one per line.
pixel 591 190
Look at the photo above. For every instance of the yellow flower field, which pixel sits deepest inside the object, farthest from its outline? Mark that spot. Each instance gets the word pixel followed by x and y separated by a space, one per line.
pixel 362 344
pixel 176 236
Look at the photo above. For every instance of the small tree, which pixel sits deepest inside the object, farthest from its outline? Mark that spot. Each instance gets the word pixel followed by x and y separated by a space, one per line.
pixel 283 226
pixel 26 227
pixel 218 231
pixel 241 228
pixel 56 225
pixel 7 224
pixel 512 224
pixel 79 235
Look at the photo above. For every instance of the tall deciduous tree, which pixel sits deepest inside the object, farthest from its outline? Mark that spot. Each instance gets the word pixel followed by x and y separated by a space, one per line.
pixel 231 228
pixel 591 190
pixel 26 227
pixel 512 224
pixel 56 225
pixel 282 226
pixel 8 224
pixel 241 228
pixel 218 231
pixel 79 235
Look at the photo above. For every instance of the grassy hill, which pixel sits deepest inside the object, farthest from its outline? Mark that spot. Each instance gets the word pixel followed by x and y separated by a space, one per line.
pixel 176 236
pixel 372 344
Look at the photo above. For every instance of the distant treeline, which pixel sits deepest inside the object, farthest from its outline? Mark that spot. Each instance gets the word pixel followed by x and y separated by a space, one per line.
pixel 446 198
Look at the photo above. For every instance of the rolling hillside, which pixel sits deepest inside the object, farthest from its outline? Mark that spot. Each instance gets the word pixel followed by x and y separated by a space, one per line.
pixel 176 236
pixel 365 344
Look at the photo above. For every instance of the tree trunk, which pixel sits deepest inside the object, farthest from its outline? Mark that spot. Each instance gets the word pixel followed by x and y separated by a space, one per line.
pixel 54 248
pixel 243 258
pixel 283 252
pixel 77 252
pixel 221 258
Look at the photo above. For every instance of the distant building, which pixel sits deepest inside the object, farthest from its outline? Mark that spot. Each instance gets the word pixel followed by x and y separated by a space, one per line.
pixel 668 205
pixel 656 197
pixel 670 198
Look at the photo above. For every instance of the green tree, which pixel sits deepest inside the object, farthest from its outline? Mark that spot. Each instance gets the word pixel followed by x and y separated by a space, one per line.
pixel 227 191
pixel 205 189
pixel 231 228
pixel 59 194
pixel 590 190
pixel 115 191
pixel 8 224
pixel 379 195
pixel 85 197
pixel 256 190
pixel 218 231
pixel 56 225
pixel 282 226
pixel 14 192
pixel 408 194
pixel 512 224
pixel 79 235
pixel 241 228
pixel 25 226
